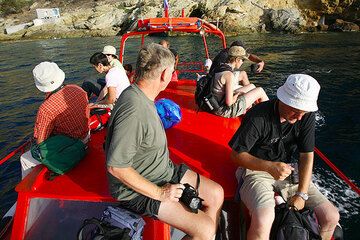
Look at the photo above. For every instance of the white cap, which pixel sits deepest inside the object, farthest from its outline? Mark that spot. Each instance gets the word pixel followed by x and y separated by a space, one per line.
pixel 109 50
pixel 48 76
pixel 300 91
pixel 208 63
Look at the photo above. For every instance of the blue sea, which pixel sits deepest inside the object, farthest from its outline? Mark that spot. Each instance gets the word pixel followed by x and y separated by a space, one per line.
pixel 332 58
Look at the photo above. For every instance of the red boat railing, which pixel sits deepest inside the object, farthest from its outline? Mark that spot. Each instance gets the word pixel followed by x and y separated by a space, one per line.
pixel 339 173
pixel 20 149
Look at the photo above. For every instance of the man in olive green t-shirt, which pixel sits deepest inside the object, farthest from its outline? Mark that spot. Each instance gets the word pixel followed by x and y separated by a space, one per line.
pixel 141 175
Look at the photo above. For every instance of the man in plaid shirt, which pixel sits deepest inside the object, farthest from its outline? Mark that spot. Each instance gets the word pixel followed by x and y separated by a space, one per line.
pixel 64 111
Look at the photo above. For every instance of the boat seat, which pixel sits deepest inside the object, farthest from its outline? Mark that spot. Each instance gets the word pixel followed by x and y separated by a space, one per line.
pixel 201 139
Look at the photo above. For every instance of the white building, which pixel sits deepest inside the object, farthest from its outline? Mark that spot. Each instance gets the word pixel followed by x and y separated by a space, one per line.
pixel 48 13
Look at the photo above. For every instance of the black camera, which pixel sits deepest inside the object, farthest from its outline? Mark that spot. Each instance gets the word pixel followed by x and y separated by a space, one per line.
pixel 294 176
pixel 254 67
pixel 190 198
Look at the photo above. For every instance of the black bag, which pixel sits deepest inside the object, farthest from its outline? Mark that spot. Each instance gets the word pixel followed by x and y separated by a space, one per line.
pixel 203 96
pixel 116 223
pixel 293 224
pixel 100 230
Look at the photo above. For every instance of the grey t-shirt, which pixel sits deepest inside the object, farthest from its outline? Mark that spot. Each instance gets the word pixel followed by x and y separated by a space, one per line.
pixel 136 138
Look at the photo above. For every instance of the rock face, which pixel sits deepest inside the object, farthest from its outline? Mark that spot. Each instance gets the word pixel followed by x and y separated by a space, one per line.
pixel 111 17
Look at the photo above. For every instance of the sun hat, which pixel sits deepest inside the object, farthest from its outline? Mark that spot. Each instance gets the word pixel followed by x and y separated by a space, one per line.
pixel 48 76
pixel 109 50
pixel 237 51
pixel 300 91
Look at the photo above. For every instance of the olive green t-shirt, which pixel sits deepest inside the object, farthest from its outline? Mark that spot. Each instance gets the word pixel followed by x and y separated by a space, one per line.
pixel 136 138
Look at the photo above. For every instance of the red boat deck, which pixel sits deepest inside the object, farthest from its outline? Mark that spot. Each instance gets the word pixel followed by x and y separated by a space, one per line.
pixel 199 140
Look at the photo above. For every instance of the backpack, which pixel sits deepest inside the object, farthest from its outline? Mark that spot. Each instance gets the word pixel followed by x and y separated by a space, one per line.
pixel 203 93
pixel 116 223
pixel 203 96
pixel 293 224
pixel 59 153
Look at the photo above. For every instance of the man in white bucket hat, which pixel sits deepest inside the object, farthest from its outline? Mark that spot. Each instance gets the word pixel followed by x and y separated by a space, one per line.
pixel 64 111
pixel 273 137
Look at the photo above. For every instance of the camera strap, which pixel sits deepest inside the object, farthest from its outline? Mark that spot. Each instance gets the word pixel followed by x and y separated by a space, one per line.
pixel 197 182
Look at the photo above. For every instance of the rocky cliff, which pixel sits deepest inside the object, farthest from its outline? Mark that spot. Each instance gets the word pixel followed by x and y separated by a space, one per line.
pixel 111 17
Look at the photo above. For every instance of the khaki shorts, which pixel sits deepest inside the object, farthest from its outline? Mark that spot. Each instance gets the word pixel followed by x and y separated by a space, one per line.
pixel 237 109
pixel 257 191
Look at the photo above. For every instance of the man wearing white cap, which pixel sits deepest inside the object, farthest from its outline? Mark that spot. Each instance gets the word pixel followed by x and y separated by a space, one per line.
pixel 64 111
pixel 272 136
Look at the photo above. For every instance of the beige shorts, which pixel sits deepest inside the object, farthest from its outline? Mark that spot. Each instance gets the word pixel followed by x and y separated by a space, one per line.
pixel 257 191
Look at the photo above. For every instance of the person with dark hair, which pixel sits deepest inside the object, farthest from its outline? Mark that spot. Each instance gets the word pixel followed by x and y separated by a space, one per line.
pixel 274 138
pixel 141 175
pixel 116 81
pixel 129 72
pixel 234 101
pixel 223 56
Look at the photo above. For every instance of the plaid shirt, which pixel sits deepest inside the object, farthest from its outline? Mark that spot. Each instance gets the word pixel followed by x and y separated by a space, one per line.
pixel 63 113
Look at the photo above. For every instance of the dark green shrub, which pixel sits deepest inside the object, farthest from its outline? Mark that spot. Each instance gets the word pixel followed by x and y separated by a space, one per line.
pixel 13 6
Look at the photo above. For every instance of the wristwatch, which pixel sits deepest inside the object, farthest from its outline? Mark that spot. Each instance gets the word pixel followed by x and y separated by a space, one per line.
pixel 304 196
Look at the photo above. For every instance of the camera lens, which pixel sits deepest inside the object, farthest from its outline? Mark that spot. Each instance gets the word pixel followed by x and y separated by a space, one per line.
pixel 194 204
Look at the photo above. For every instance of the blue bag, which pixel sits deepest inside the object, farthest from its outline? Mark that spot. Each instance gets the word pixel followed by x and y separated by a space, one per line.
pixel 168 111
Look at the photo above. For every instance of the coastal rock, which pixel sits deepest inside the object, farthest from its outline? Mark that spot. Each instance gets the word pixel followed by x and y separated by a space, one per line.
pixel 105 16
pixel 343 26
pixel 102 17
pixel 284 20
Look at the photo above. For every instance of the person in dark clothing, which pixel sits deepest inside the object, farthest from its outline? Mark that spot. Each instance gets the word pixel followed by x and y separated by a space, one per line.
pixel 223 56
pixel 272 136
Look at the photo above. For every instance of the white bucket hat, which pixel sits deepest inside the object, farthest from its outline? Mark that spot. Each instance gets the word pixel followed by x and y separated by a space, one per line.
pixel 109 50
pixel 48 76
pixel 300 91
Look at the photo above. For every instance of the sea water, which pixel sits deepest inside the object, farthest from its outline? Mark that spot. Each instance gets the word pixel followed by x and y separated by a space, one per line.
pixel 331 58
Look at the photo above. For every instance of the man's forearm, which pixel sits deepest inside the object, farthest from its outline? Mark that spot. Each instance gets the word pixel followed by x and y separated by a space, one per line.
pixel 306 162
pixel 255 58
pixel 248 161
pixel 131 178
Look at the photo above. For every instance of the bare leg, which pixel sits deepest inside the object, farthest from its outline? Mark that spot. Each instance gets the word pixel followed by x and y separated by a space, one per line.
pixel 255 94
pixel 328 217
pixel 261 222
pixel 210 191
pixel 197 226
pixel 246 88
pixel 243 78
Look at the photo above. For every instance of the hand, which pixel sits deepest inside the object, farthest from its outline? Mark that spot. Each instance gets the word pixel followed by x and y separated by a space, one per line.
pixel 91 105
pixel 171 192
pixel 297 202
pixel 280 170
pixel 260 66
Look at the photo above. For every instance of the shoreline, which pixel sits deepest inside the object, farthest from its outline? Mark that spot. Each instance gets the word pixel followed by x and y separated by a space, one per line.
pixel 101 34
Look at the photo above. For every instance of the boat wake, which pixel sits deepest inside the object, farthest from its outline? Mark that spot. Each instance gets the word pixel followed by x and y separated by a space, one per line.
pixel 319 120
pixel 309 71
pixel 338 192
